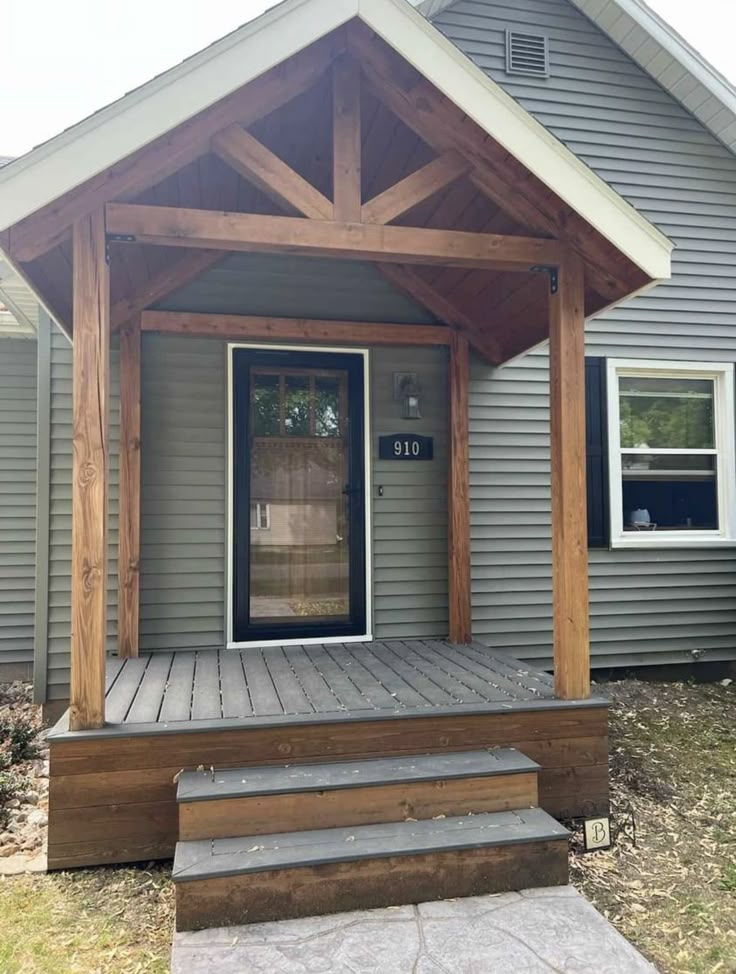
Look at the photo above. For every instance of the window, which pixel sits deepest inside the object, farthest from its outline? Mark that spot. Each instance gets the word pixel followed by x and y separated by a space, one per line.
pixel 671 453
pixel 296 403
pixel 260 517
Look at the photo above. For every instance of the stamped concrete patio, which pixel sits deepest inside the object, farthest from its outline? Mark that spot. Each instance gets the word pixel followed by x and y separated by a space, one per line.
pixel 537 931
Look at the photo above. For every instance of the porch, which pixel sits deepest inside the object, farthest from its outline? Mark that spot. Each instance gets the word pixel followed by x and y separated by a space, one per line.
pixel 113 788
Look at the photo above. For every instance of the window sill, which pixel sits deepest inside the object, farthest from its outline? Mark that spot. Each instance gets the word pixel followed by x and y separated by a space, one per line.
pixel 647 541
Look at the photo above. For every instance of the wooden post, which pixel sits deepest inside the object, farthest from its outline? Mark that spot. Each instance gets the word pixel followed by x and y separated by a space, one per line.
pixel 459 493
pixel 129 527
pixel 347 193
pixel 569 524
pixel 89 473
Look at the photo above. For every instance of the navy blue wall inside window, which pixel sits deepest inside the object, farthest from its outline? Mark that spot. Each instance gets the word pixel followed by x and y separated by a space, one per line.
pixel 673 504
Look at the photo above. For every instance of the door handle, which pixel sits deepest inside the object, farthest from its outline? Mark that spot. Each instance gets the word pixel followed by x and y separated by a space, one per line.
pixel 348 489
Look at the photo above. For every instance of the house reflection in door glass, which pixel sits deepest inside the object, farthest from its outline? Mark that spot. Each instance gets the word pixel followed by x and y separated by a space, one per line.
pixel 299 562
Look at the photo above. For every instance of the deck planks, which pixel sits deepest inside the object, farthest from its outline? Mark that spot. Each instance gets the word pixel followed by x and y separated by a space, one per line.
pixel 206 694
pixel 177 702
pixel 296 682
pixel 235 696
pixel 147 703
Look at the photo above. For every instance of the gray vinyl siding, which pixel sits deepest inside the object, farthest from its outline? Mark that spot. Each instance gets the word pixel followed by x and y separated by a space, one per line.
pixel 17 503
pixel 183 493
pixel 646 606
pixel 60 513
pixel 184 497
pixel 297 287
pixel 410 520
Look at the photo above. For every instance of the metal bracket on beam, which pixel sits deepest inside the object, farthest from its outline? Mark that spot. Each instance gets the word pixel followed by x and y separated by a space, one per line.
pixel 111 238
pixel 554 275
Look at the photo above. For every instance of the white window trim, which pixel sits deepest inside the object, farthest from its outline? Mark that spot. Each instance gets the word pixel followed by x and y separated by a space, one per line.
pixel 723 375
pixel 261 507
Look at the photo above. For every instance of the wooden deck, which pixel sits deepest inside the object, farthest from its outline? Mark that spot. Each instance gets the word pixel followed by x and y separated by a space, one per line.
pixel 345 681
pixel 112 790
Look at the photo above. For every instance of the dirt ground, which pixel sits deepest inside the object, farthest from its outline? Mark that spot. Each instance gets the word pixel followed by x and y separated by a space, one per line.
pixel 673 765
pixel 672 892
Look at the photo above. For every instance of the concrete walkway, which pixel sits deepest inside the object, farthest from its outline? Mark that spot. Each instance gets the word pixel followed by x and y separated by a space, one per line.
pixel 537 931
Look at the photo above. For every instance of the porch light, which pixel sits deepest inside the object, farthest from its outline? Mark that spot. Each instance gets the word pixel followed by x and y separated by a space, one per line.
pixel 406 389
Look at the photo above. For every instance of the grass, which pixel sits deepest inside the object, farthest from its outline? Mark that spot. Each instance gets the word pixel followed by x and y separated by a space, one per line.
pixel 103 921
pixel 673 762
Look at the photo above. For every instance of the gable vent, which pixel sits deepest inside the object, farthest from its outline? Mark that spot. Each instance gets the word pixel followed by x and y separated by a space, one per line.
pixel 527 54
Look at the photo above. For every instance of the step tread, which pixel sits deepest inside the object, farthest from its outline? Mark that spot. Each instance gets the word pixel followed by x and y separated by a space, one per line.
pixel 250 782
pixel 218 858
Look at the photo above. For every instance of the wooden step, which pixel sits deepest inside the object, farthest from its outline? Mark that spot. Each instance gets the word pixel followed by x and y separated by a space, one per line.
pixel 274 877
pixel 254 801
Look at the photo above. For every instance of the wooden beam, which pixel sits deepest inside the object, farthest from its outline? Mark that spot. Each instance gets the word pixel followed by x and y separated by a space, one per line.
pixel 170 279
pixel 460 611
pixel 179 227
pixel 90 387
pixel 346 148
pixel 408 280
pixel 253 160
pixel 569 526
pixel 415 188
pixel 166 155
pixel 293 329
pixel 495 173
pixel 129 501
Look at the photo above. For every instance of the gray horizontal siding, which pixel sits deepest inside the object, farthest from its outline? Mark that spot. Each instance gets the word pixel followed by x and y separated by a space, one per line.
pixel 410 520
pixel 184 516
pixel 183 493
pixel 60 513
pixel 297 287
pixel 17 499
pixel 646 606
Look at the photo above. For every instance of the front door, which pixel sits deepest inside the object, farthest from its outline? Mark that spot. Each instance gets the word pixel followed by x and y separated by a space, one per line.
pixel 299 512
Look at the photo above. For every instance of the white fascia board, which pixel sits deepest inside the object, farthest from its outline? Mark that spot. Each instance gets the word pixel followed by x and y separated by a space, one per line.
pixel 135 120
pixel 430 8
pixel 675 44
pixel 483 100
pixel 131 122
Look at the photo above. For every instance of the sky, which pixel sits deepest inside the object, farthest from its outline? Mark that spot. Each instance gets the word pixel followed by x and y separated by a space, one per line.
pixel 63 60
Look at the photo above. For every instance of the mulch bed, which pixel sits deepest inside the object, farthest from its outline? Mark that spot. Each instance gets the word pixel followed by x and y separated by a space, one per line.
pixel 23 818
pixel 670 886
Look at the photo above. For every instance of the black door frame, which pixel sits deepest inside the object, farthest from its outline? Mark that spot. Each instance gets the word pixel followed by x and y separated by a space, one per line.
pixel 354 364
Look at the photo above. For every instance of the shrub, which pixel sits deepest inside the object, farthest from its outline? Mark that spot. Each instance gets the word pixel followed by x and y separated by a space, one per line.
pixel 17 739
pixel 17 743
pixel 12 785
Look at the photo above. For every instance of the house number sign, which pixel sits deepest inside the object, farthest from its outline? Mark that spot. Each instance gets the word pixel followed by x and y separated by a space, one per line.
pixel 405 446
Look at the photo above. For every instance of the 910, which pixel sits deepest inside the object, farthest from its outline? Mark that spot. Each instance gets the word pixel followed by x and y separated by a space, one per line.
pixel 406 448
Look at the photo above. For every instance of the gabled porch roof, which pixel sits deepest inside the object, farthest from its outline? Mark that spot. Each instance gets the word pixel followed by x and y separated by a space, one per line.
pixel 99 159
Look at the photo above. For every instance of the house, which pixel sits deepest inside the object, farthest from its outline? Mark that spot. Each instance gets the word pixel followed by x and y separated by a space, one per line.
pixel 340 291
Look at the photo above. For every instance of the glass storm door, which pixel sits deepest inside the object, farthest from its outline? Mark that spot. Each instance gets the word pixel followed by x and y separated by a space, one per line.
pixel 299 540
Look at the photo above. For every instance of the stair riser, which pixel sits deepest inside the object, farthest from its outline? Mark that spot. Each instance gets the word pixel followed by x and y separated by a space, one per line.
pixel 368 884
pixel 263 814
